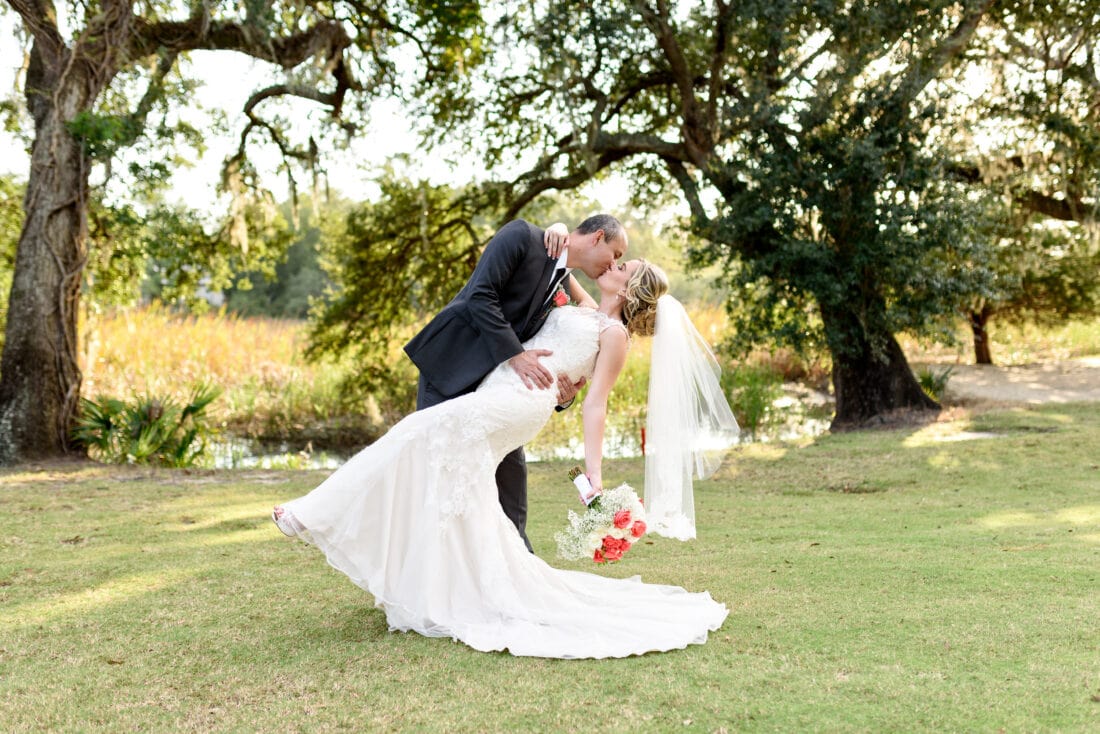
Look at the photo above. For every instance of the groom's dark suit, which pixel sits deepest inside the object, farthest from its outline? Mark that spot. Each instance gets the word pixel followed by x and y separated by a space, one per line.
pixel 502 304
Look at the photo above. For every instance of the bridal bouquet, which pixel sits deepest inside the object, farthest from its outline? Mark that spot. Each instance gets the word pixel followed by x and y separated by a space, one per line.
pixel 605 531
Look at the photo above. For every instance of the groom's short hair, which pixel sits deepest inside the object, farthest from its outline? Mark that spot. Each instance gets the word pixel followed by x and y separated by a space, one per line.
pixel 612 227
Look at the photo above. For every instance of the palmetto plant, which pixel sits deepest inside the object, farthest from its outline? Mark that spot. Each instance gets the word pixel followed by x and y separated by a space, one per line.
pixel 934 382
pixel 150 430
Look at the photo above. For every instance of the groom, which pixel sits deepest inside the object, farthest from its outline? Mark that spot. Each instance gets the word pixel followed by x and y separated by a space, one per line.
pixel 501 305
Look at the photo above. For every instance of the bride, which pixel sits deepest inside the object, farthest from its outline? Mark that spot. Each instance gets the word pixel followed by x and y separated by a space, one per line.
pixel 414 518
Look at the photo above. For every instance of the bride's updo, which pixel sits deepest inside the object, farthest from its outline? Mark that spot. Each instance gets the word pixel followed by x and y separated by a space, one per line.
pixel 643 289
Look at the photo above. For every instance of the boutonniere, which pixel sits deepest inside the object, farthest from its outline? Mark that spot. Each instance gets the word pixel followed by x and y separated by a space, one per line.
pixel 560 297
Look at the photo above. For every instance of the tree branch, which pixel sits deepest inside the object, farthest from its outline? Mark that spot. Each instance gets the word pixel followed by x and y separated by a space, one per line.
pixel 1071 209
pixel 927 68
pixel 1066 210
pixel 646 82
pixel 690 189
pixel 718 62
pixel 40 19
pixel 289 90
pixel 325 38
pixel 560 183
pixel 164 65
pixel 697 137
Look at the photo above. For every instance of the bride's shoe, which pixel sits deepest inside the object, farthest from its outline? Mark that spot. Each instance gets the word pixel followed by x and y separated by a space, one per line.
pixel 285 522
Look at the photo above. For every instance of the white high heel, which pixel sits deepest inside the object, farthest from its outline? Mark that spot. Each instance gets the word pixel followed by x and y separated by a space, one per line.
pixel 286 522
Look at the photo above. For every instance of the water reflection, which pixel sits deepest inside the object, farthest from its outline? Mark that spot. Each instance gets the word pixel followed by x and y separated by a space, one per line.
pixel 243 453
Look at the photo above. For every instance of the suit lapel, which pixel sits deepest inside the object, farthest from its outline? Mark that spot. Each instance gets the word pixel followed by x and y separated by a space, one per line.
pixel 559 276
pixel 538 298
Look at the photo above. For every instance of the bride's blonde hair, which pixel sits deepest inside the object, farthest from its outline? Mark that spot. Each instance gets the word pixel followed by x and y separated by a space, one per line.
pixel 643 289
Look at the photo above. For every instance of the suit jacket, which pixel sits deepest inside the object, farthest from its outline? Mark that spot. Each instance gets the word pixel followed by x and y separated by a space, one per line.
pixel 501 305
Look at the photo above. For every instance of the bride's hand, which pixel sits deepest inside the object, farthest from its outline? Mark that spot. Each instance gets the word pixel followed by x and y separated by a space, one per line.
pixel 555 239
pixel 567 389
pixel 597 488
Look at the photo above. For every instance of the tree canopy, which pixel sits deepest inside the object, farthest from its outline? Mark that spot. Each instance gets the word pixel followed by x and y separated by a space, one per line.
pixel 818 146
pixel 104 77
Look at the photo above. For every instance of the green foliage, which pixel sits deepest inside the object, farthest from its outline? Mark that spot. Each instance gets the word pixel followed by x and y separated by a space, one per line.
pixel 186 257
pixel 297 279
pixel 154 250
pixel 11 223
pixel 103 134
pixel 1044 272
pixel 1031 139
pixel 753 390
pixel 934 382
pixel 395 261
pixel 117 253
pixel 813 144
pixel 148 430
pixel 1049 162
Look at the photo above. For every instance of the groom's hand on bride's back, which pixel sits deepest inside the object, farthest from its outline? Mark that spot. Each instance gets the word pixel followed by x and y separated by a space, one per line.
pixel 530 370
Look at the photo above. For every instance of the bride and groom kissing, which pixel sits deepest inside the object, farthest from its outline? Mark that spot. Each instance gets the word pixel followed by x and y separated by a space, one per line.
pixel 430 519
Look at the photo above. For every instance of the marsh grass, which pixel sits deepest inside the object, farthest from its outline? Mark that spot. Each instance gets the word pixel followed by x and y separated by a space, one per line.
pixel 270 392
pixel 901 580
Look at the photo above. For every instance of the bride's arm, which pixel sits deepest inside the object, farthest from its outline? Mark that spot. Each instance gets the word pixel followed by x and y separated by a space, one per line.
pixel 579 294
pixel 609 363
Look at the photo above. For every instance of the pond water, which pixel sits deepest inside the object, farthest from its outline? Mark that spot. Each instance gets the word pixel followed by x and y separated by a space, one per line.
pixel 800 412
pixel 242 453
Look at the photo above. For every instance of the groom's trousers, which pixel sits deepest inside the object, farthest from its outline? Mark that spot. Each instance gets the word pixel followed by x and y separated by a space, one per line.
pixel 511 474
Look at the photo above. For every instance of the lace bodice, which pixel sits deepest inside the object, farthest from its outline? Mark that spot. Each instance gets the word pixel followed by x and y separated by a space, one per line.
pixel 572 333
pixel 514 414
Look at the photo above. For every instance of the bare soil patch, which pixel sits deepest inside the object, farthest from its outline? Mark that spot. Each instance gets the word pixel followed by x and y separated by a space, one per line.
pixel 1065 381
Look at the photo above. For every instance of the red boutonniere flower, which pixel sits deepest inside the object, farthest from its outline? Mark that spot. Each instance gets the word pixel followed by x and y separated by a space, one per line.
pixel 560 297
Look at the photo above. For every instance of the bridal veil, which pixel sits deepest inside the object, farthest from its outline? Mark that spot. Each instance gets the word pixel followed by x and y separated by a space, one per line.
pixel 689 424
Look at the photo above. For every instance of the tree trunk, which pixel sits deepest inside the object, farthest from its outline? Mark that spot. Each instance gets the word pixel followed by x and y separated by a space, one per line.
pixel 978 322
pixel 870 386
pixel 39 374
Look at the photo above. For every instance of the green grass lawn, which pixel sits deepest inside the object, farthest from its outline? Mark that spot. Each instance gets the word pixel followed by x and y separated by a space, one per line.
pixel 906 580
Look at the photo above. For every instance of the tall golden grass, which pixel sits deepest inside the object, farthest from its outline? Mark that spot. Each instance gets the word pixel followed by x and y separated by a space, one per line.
pixel 270 391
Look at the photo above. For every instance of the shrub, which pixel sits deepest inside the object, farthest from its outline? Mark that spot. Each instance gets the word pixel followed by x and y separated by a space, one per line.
pixel 149 430
pixel 754 389
pixel 932 382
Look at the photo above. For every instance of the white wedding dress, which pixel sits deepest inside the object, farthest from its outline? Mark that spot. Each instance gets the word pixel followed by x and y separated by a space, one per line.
pixel 414 520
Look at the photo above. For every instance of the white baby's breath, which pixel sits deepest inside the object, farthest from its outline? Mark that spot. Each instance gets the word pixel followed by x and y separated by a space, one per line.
pixel 584 534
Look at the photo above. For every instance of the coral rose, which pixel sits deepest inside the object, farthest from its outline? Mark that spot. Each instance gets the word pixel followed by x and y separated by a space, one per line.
pixel 638 529
pixel 622 518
